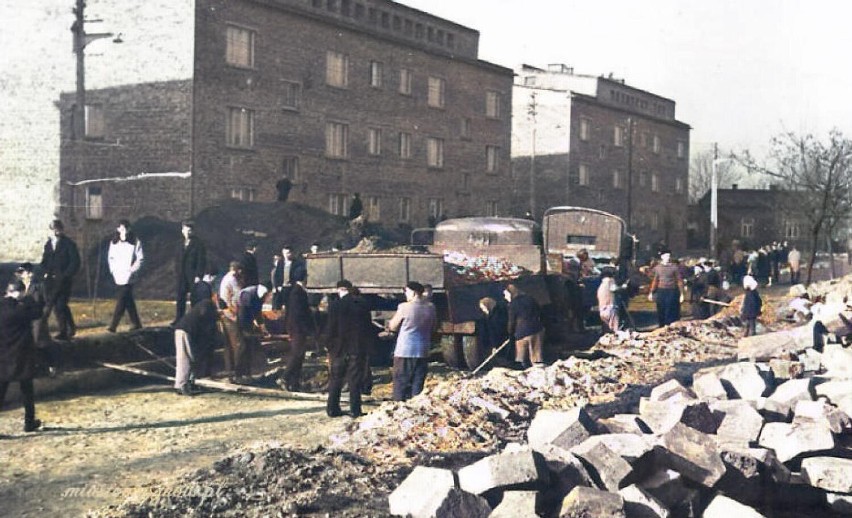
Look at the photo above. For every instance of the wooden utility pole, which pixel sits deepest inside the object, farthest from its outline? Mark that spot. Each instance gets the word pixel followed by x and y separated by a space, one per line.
pixel 630 174
pixel 81 39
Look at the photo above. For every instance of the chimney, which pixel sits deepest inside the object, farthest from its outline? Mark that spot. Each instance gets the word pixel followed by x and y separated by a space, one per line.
pixel 734 186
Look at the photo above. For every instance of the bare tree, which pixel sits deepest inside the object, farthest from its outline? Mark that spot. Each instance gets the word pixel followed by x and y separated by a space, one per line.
pixel 701 175
pixel 818 173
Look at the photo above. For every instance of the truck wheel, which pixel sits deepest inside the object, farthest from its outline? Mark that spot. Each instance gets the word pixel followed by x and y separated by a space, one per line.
pixel 451 349
pixel 474 353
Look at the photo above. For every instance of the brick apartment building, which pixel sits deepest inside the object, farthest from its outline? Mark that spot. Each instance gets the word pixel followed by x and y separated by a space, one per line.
pixel 338 96
pixel 754 217
pixel 601 143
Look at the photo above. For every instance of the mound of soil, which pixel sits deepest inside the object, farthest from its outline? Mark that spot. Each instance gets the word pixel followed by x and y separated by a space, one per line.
pixel 225 230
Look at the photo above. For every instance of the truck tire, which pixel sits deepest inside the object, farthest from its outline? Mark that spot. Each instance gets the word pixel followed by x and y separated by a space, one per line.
pixel 451 349
pixel 474 353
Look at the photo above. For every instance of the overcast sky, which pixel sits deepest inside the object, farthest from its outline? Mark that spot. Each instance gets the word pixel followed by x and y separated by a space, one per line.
pixel 739 70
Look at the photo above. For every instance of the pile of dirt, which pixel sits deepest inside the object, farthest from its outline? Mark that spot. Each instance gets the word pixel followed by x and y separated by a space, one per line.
pixel 484 413
pixel 225 230
pixel 275 482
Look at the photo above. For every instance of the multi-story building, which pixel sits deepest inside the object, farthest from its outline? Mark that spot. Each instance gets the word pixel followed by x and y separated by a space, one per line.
pixel 338 96
pixel 598 142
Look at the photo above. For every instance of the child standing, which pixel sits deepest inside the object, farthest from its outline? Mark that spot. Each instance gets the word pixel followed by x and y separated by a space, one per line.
pixel 752 305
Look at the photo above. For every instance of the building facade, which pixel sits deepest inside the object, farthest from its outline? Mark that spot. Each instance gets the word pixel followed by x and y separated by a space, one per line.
pixel 597 142
pixel 753 217
pixel 337 96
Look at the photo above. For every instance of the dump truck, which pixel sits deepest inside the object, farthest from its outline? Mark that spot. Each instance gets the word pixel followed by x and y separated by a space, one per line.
pixel 466 259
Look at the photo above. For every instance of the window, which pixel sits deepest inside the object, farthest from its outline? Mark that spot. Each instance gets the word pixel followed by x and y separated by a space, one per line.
pixel 374 141
pixel 681 149
pixel 336 140
pixel 492 158
pixel 239 46
pixel 791 229
pixel 492 105
pixel 290 168
pixel 291 94
pixel 374 212
pixel 338 204
pixel 655 220
pixel 643 179
pixel 94 118
pixel 584 129
pixel 451 40
pixel 418 31
pixel 359 11
pixel 331 5
pixel 404 210
pixel 465 186
pixel 337 69
pixel 405 145
pixel 436 92
pixel 435 152
pixel 618 136
pixel 655 182
pixel 583 175
pixel 747 227
pixel 465 128
pixel 436 208
pixel 405 81
pixel 409 27
pixel 239 131
pixel 656 144
pixel 678 185
pixel 430 34
pixel 94 203
pixel 376 74
pixel 617 180
pixel 491 208
pixel 439 37
pixel 385 19
pixel 346 7
pixel 397 23
pixel 602 152
pixel 243 194
pixel 316 3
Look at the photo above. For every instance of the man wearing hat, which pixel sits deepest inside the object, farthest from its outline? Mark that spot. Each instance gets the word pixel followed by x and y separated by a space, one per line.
pixel 667 289
pixel 17 354
pixel 251 277
pixel 60 261
pixel 48 350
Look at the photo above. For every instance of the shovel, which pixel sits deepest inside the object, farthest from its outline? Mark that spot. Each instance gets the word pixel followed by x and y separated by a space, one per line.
pixel 490 357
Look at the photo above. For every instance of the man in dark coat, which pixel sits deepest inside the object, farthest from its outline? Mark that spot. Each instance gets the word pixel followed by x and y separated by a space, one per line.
pixel 349 335
pixel 525 326
pixel 191 260
pixel 17 347
pixel 249 263
pixel 300 324
pixel 47 349
pixel 60 261
pixel 196 335
pixel 289 268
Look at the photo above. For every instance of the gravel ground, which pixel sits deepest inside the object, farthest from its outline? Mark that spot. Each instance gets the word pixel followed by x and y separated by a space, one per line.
pixel 101 449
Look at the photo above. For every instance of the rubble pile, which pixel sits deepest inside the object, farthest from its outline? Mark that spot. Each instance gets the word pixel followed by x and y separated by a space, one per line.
pixel 482 413
pixel 275 482
pixel 474 269
pixel 747 439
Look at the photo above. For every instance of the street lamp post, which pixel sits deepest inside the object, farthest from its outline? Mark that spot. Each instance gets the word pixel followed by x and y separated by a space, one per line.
pixel 714 206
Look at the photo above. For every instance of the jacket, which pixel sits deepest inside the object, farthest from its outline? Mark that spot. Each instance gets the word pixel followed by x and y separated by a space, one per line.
pixel 200 324
pixel 299 319
pixel 62 262
pixel 250 273
pixel 17 346
pixel 125 259
pixel 415 322
pixel 752 305
pixel 350 328
pixel 524 317
pixel 192 259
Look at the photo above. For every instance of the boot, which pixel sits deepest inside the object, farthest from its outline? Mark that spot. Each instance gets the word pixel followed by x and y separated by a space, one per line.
pixel 31 425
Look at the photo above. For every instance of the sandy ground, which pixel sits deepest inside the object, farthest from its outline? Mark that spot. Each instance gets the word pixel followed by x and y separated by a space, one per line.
pixel 100 449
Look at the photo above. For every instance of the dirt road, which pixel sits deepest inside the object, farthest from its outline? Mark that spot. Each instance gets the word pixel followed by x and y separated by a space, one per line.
pixel 98 450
